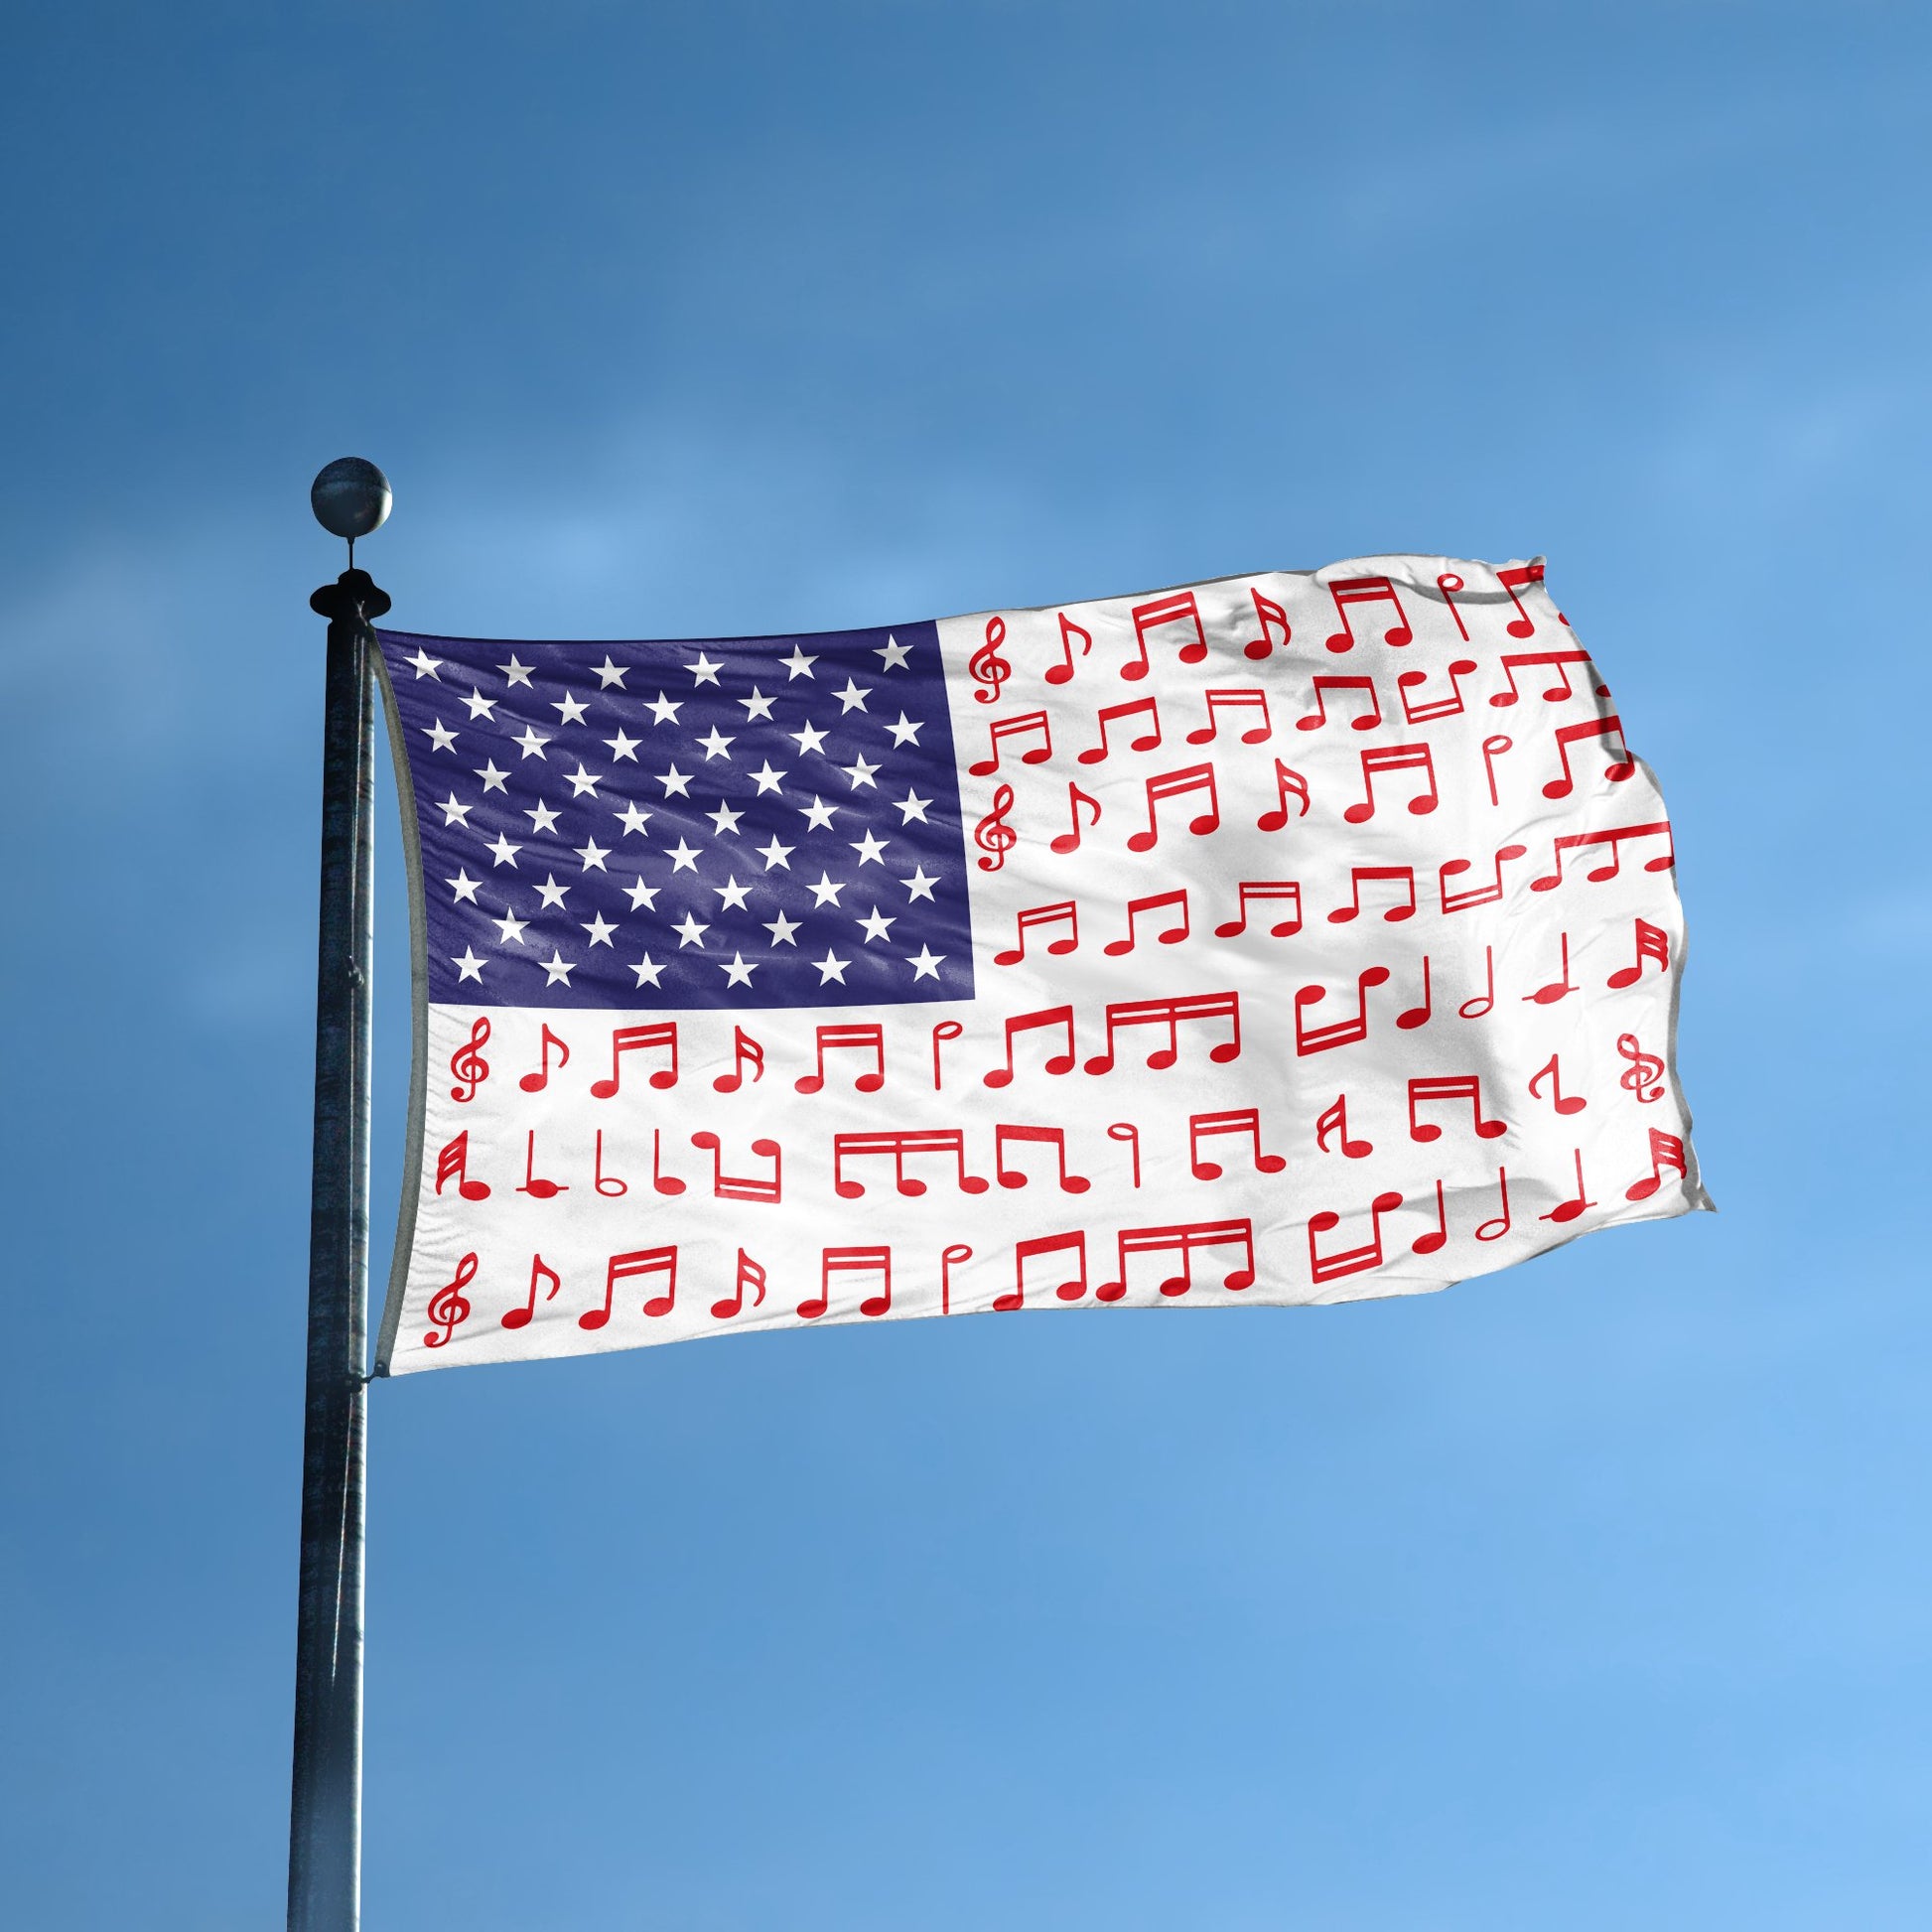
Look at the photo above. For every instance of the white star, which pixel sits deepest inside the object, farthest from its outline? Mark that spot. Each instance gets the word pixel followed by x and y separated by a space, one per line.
pixel 918 885
pixel 739 972
pixel 493 775
pixel 831 967
pixel 550 892
pixel 624 748
pixel 555 969
pixel 665 710
pixel 782 929
pixel 441 737
pixel 733 895
pixel 797 664
pixel 818 815
pixel 715 744
pixel 674 781
pixel 860 774
pixel 543 818
pixel 505 851
pixel 925 963
pixel 426 666
pixel 515 673
pixel 690 932
pixel 593 855
pixel 455 812
pixel 581 782
pixel 906 731
pixel 877 925
pixel 463 885
pixel 634 817
pixel 766 778
pixel 895 654
pixel 531 742
pixel 684 858
pixel 468 967
pixel 811 739
pixel 825 893
pixel 599 929
pixel 569 710
pixel 853 697
pixel 774 854
pixel 724 818
pixel 609 673
pixel 481 707
pixel 510 926
pixel 869 849
pixel 647 971
pixel 703 671
pixel 642 896
pixel 757 705
pixel 913 806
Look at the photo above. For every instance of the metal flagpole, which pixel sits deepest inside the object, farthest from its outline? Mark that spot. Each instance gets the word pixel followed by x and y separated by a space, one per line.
pixel 351 499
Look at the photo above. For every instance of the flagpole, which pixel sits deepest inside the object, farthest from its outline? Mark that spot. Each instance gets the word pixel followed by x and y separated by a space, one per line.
pixel 351 499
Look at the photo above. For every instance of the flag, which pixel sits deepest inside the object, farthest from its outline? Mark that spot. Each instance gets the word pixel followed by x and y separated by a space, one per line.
pixel 1293 938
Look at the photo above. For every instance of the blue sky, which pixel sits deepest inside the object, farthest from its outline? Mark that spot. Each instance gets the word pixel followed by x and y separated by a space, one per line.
pixel 1588 1596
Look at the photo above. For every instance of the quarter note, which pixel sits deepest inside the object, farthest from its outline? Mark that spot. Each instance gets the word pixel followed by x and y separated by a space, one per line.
pixel 1348 1261
pixel 749 1274
pixel 1125 1130
pixel 664 1183
pixel 1054 1137
pixel 533 1184
pixel 1233 701
pixel 468 1062
pixel 1112 714
pixel 1559 987
pixel 1240 1122
pixel 1416 1016
pixel 868 1036
pixel 1438 1236
pixel 1394 758
pixel 1568 1210
pixel 1040 918
pixel 540 1271
pixel 1450 1086
pixel 1268 614
pixel 452 1164
pixel 746 1051
pixel 1287 782
pixel 537 1081
pixel 1666 1150
pixel 1318 717
pixel 1335 1121
pixel 1176 785
pixel 1023 724
pixel 1366 590
pixel 448 1307
pixel 1280 891
pixel 1076 798
pixel 1047 1017
pixel 1565 1103
pixel 1177 931
pixel 1653 943
pixel 638 1039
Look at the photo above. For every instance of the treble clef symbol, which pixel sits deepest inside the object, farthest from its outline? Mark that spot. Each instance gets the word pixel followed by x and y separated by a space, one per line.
pixel 468 1062
pixel 446 1307
pixel 993 834
pixel 1643 1069
pixel 986 664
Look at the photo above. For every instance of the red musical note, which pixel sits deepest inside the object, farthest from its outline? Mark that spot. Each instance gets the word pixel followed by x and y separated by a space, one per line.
pixel 540 1271
pixel 1496 1229
pixel 1172 1013
pixel 1415 1016
pixel 1403 875
pixel 1268 612
pixel 867 1038
pixel 1112 714
pixel 1173 936
pixel 1036 918
pixel 533 1185
pixel 1470 895
pixel 1427 713
pixel 1177 608
pixel 1492 750
pixel 625 1267
pixel 1320 714
pixel 1565 1103
pixel 1366 590
pixel 1054 1137
pixel 944 1031
pixel 746 1051
pixel 664 1183
pixel 1446 583
pixel 1338 1033
pixel 1653 943
pixel 1287 891
pixel 1666 1150
pixel 725 1187
pixel 1558 660
pixel 1348 1261
pixel 1559 988
pixel 901 1147
pixel 446 1306
pixel 986 666
pixel 1075 1243
pixel 1241 1122
pixel 537 1081
pixel 1251 699
pixel 1286 782
pixel 949 1258
pixel 1438 1236
pixel 1644 1068
pixel 1184 1240
pixel 993 835
pixel 1176 785
pixel 452 1164
pixel 636 1039
pixel 851 1261
pixel 1002 729
pixel 1450 1086
pixel 1076 798
pixel 1335 1121
pixel 1568 1210
pixel 607 1185
pixel 1125 1130
pixel 1478 1007
pixel 1520 625
pixel 749 1274
pixel 1394 758
pixel 468 1062
pixel 1614 838
pixel 1616 772
pixel 1059 673
pixel 1001 1076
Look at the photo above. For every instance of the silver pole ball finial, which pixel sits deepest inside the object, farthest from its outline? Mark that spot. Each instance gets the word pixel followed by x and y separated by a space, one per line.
pixel 351 498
